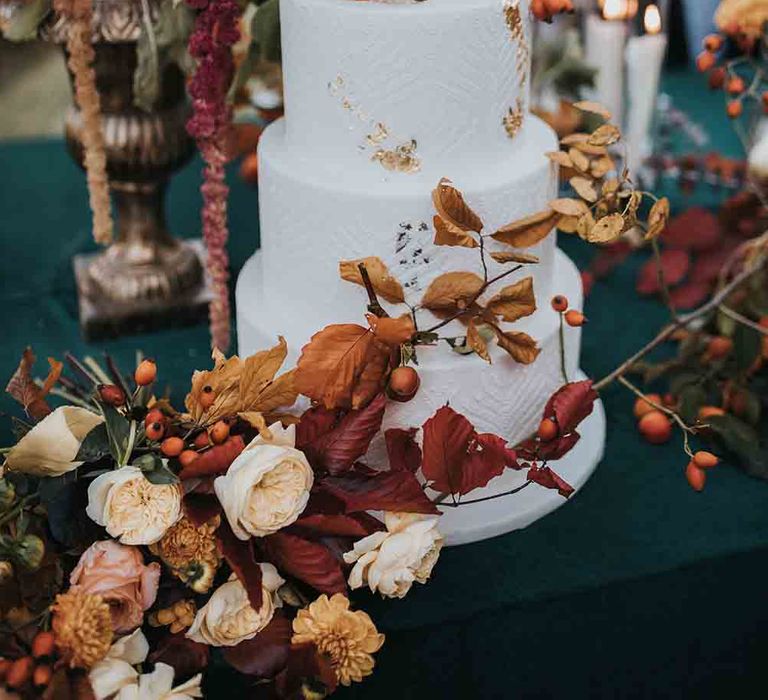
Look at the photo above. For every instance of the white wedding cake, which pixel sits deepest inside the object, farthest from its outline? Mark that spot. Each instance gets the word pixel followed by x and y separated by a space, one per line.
pixel 382 101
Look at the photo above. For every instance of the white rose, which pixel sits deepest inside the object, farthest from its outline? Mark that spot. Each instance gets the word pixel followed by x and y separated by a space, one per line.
pixel 116 670
pixel 389 562
pixel 228 617
pixel 50 448
pixel 267 487
pixel 133 509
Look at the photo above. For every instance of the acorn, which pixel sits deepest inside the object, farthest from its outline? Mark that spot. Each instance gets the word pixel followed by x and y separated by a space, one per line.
pixel 219 432
pixel 575 319
pixel 403 384
pixel 43 645
pixel 111 394
pixel 560 303
pixel 548 430
pixel 172 446
pixel 146 372
pixel 655 427
pixel 19 673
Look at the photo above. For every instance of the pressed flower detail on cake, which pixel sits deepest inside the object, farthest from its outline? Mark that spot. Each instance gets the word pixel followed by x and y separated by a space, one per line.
pixel 513 120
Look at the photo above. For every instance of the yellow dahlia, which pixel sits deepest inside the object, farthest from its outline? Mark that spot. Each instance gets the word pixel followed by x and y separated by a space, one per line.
pixel 348 638
pixel 82 627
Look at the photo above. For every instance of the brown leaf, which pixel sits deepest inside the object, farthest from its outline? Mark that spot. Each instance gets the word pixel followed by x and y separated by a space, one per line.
pixel 657 219
pixel 520 346
pixel 579 159
pixel 342 366
pixel 310 562
pixel 585 224
pixel 568 206
pixel 561 158
pixel 384 284
pixel 22 386
pixel 392 331
pixel 509 257
pixel 260 369
pixel 452 291
pixel 584 188
pixel 477 342
pixel 256 420
pixel 593 108
pixel 514 301
pixel 602 166
pixel 448 234
pixel 568 224
pixel 278 394
pixel 605 135
pixel 450 204
pixel 574 139
pixel 607 229
pixel 527 232
pixel 224 381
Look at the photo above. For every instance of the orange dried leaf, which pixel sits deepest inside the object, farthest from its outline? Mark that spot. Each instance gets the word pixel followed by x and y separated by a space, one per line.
pixel 384 284
pixel 568 206
pixel 448 234
pixel 594 108
pixel 510 257
pixel 579 159
pixel 657 219
pixel 607 229
pixel 605 135
pixel 477 342
pixel 260 369
pixel 520 346
pixel 22 386
pixel 392 331
pixel 561 158
pixel 514 301
pixel 527 232
pixel 584 188
pixel 452 291
pixel 450 204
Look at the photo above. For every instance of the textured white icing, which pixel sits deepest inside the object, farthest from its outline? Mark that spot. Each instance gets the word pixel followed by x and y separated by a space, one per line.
pixel 442 72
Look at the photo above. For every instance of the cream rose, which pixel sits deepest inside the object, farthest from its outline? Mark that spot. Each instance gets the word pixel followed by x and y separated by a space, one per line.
pixel 742 16
pixel 228 618
pixel 133 509
pixel 267 486
pixel 389 562
pixel 50 448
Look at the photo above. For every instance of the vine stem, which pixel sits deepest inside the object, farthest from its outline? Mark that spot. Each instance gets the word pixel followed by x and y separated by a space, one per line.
pixel 743 320
pixel 458 504
pixel 662 279
pixel 563 369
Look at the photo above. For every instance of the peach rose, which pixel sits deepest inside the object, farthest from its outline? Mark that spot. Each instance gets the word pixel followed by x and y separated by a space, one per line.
pixel 117 573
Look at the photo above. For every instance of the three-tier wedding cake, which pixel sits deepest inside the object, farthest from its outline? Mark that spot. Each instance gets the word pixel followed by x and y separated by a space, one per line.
pixel 382 101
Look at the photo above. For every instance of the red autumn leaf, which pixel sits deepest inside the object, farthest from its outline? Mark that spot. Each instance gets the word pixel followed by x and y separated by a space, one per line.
pixel 240 556
pixel 402 449
pixel 313 424
pixel 610 257
pixel 398 491
pixel 267 653
pixel 201 506
pixel 355 525
pixel 215 460
pixel 306 668
pixel 338 450
pixel 674 265
pixel 488 457
pixel 186 656
pixel 570 405
pixel 690 295
pixel 447 436
pixel 545 477
pixel 22 386
pixel 310 562
pixel 707 266
pixel 695 229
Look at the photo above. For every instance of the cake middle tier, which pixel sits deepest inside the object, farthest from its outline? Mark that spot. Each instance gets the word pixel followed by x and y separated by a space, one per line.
pixel 315 214
pixel 406 87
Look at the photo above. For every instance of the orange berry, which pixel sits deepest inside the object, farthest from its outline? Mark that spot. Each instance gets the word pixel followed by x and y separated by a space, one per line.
pixel 202 440
pixel 145 373
pixel 404 382
pixel 705 460
pixel 696 477
pixel 42 675
pixel 560 303
pixel 5 665
pixel 111 394
pixel 719 347
pixel 42 644
pixel 735 85
pixel 713 42
pixel 706 412
pixel 669 400
pixel 575 319
pixel 548 430
pixel 19 672
pixel 155 415
pixel 705 61
pixel 734 109
pixel 172 446
pixel 717 78
pixel 249 168
pixel 655 427
pixel 219 432
pixel 642 406
pixel 154 431
pixel 207 397
pixel 540 11
pixel 187 457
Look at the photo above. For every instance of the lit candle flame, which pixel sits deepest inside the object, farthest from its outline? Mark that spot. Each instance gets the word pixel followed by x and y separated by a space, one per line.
pixel 616 9
pixel 652 19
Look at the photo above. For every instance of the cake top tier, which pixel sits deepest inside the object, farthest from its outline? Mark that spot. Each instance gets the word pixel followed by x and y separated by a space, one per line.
pixel 432 86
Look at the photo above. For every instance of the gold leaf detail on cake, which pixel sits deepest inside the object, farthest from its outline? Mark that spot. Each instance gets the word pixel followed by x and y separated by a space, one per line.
pixel 384 284
pixel 513 121
pixel 402 158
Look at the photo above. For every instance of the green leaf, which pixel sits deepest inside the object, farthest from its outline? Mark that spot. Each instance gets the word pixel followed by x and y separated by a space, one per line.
pixel 22 20
pixel 692 398
pixel 118 428
pixel 148 462
pixel 95 446
pixel 747 344
pixel 743 442
pixel 160 476
pixel 266 30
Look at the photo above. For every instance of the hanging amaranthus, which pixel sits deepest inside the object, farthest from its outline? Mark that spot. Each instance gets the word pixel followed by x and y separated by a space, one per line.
pixel 78 14
pixel 216 31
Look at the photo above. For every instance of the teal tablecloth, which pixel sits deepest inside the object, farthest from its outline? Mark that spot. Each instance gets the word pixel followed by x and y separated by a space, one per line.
pixel 637 588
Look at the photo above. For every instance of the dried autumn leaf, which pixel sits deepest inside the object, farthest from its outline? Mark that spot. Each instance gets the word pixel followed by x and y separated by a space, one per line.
pixel 601 166
pixel 22 386
pixel 384 284
pixel 514 301
pixel 568 206
pixel 392 331
pixel 610 187
pixel 520 346
pixel 241 559
pixel 675 265
pixel 509 257
pixel 342 366
pixel 390 490
pixel 605 135
pixel 573 139
pixel 593 108
pixel 585 224
pixel 256 420
pixel 584 188
pixel 579 159
pixel 568 224
pixel 310 562
pixel 657 219
pixel 544 476
pixel 452 291
pixel 223 382
pixel 476 341
pixel 450 204
pixel 607 229
pixel 277 394
pixel 527 232
pixel 448 234
pixel 561 158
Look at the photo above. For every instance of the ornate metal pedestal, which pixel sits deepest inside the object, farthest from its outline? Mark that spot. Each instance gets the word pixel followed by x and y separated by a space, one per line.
pixel 146 278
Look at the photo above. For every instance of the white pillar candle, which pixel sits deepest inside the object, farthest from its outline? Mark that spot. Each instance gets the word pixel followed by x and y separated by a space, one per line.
pixel 605 40
pixel 645 57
